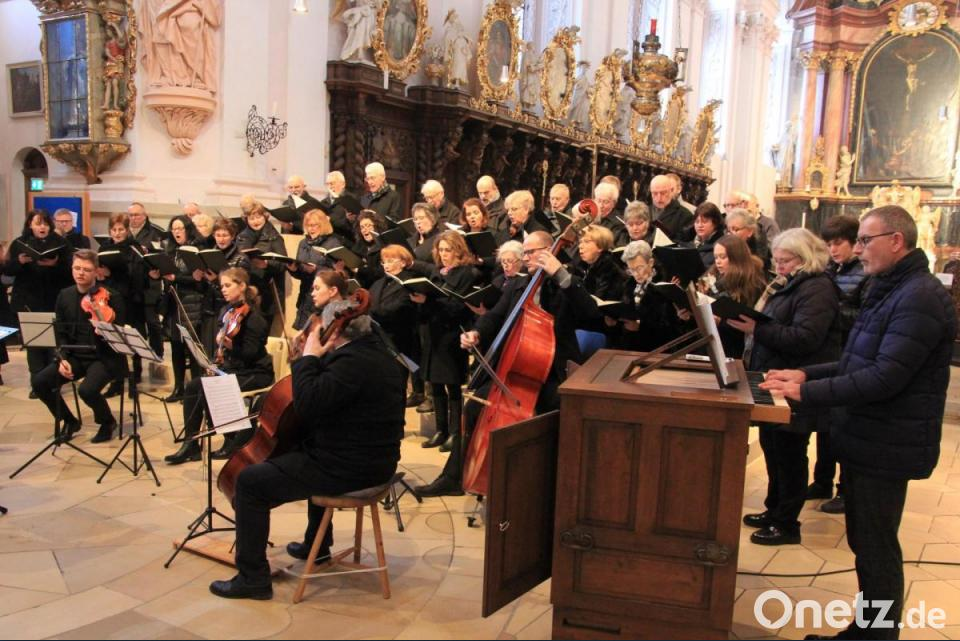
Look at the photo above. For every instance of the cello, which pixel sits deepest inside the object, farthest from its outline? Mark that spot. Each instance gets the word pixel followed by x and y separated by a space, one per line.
pixel 278 423
pixel 527 346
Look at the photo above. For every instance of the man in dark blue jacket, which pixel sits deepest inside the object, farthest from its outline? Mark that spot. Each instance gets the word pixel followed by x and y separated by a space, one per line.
pixel 889 389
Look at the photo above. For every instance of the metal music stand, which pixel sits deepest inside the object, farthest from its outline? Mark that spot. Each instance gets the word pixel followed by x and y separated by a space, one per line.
pixel 128 342
pixel 36 330
pixel 60 436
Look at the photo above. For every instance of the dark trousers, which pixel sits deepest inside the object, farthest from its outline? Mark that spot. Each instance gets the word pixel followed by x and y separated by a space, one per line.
pixel 178 358
pixel 264 486
pixel 95 374
pixel 39 358
pixel 194 403
pixel 826 465
pixel 874 507
pixel 785 454
pixel 447 403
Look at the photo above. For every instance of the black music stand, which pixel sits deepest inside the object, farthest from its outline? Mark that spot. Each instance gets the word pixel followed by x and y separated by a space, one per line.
pixel 61 436
pixel 128 342
pixel 37 331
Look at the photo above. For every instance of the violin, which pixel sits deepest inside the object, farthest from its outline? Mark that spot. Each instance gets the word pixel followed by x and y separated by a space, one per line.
pixel 230 326
pixel 96 303
pixel 525 346
pixel 278 422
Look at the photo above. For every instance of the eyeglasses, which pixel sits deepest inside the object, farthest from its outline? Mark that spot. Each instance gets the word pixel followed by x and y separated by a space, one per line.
pixel 533 250
pixel 863 241
pixel 509 261
pixel 784 261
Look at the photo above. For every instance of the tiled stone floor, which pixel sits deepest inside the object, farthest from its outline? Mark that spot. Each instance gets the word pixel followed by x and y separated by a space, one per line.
pixel 81 560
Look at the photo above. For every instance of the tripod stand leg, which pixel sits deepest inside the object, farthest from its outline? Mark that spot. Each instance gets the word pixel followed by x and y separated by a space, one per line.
pixel 115 458
pixel 53 443
pixel 146 460
pixel 3 510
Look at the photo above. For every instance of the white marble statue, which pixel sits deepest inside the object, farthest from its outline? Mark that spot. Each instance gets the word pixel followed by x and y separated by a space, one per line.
pixel 580 104
pixel 361 20
pixel 180 43
pixel 457 49
pixel 624 114
pixel 784 153
pixel 928 222
pixel 956 174
pixel 530 77
pixel 844 170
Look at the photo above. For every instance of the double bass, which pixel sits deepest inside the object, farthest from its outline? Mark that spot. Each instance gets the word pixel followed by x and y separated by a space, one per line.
pixel 278 423
pixel 526 346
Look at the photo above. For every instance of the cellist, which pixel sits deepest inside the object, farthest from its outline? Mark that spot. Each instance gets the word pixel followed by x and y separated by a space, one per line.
pixel 349 392
pixel 564 297
pixel 241 350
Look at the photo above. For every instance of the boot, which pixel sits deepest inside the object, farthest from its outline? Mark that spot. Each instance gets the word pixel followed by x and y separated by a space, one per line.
pixel 177 395
pixel 105 433
pixel 441 418
pixel 230 445
pixel 453 424
pixel 189 451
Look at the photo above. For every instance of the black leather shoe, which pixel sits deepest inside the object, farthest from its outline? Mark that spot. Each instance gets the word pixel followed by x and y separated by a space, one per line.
pixel 817 491
pixel 835 505
pixel 300 551
pixel 773 535
pixel 237 588
pixel 105 433
pixel 447 444
pixel 436 440
pixel 414 399
pixel 441 486
pixel 426 406
pixel 187 452
pixel 175 397
pixel 114 390
pixel 69 428
pixel 32 395
pixel 757 520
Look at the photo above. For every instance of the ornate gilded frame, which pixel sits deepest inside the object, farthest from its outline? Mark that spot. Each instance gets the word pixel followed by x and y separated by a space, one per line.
pixel 674 119
pixel 611 67
pixel 400 69
pixel 703 130
pixel 563 41
pixel 491 88
pixel 894 14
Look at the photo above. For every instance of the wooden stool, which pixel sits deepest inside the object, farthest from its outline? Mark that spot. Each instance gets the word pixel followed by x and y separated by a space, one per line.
pixel 358 500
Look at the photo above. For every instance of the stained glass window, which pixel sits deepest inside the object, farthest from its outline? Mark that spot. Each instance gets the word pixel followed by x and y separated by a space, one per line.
pixel 67 78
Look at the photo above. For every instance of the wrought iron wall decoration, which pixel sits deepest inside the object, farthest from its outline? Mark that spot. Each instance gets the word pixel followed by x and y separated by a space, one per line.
pixel 263 135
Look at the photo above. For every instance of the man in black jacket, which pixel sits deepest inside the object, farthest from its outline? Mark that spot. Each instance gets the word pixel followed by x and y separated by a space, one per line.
pixel 148 237
pixel 380 196
pixel 563 296
pixel 675 219
pixel 350 394
pixel 63 225
pixel 434 194
pixel 96 366
pixel 341 206
pixel 889 388
pixel 489 195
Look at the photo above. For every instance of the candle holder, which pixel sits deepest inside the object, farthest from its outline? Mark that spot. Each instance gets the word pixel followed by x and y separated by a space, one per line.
pixel 263 135
pixel 650 72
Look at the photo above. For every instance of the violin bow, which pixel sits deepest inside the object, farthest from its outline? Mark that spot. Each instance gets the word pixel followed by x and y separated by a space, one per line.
pixel 283 320
pixel 186 318
pixel 485 365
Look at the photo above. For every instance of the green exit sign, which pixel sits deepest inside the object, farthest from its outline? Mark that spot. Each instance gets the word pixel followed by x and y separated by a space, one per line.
pixel 36 184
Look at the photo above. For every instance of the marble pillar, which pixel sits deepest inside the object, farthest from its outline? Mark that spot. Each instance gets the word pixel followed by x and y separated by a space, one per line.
pixel 834 116
pixel 811 61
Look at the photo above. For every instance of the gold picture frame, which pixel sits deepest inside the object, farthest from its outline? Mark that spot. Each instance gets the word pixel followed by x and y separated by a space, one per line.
pixel 499 22
pixel 605 98
pixel 674 119
pixel 557 75
pixel 396 48
pixel 703 134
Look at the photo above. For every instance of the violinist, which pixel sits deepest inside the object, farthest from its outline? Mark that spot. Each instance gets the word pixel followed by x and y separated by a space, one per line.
pixel 241 350
pixel 224 236
pixel 328 286
pixel 76 306
pixel 564 297
pixel 349 392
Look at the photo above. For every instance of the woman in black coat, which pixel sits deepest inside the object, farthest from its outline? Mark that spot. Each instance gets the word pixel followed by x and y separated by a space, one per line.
pixel 391 307
pixel 805 330
pixel 444 363
pixel 262 236
pixel 225 239
pixel 318 234
pixel 425 220
pixel 241 350
pixel 368 228
pixel 708 229
pixel 650 320
pixel 37 282
pixel 190 287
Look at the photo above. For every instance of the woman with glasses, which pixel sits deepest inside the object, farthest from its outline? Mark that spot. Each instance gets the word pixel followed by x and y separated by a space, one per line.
pixel 425 221
pixel 602 275
pixel 708 229
pixel 444 363
pixel 653 320
pixel 804 329
pixel 636 218
pixel 318 234
pixel 391 307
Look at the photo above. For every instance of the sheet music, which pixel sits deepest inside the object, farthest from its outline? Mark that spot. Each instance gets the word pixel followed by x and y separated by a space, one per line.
pixel 197 352
pixel 37 329
pixel 6 332
pixel 298 202
pixel 715 349
pixel 227 411
pixel 139 344
pixel 660 239
pixel 111 333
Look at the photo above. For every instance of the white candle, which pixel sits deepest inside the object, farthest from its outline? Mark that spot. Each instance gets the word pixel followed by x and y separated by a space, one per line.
pixel 386 79
pixel 273 112
pixel 803 220
pixel 505 74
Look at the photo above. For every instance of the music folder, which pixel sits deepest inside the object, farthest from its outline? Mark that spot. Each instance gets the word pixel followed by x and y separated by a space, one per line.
pixel 683 262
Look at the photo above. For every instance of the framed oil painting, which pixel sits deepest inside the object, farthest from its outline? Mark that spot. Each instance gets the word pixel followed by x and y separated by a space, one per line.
pixel 905 118
pixel 498 52
pixel 24 86
pixel 400 35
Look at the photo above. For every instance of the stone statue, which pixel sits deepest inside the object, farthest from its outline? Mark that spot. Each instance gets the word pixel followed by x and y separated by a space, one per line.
pixel 180 43
pixel 956 174
pixel 844 169
pixel 783 154
pixel 361 20
pixel 621 125
pixel 580 105
pixel 114 66
pixel 457 49
pixel 530 78
pixel 928 222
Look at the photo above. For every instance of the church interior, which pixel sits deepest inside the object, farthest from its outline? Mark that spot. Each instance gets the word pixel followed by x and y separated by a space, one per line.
pixel 795 112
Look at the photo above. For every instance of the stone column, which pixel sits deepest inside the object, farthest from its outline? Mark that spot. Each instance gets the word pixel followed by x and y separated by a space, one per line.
pixel 811 61
pixel 833 107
